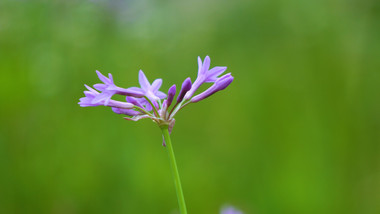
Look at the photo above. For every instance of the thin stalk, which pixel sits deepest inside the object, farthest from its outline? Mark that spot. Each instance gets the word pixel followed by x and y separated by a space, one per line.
pixel 175 109
pixel 143 111
pixel 154 107
pixel 173 166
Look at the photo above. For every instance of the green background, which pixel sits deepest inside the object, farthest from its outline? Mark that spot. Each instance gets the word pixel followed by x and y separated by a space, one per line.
pixel 298 131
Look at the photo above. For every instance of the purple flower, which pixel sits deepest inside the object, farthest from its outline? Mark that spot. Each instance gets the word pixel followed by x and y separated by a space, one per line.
pixel 230 210
pixel 148 102
pixel 204 75
pixel 219 85
pixel 92 94
pixel 108 89
pixel 150 91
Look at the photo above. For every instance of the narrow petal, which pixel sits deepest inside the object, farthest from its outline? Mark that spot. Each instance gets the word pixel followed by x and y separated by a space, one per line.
pixel 104 96
pixel 103 78
pixel 100 87
pixel 129 92
pixel 90 94
pixel 129 112
pixel 144 83
pixel 156 85
pixel 110 78
pixel 212 75
pixel 206 65
pixel 118 104
pixel 86 102
pixel 135 89
pixel 160 94
pixel 90 89
pixel 134 101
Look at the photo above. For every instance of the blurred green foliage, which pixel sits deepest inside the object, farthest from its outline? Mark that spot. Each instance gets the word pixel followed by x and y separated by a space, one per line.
pixel 297 132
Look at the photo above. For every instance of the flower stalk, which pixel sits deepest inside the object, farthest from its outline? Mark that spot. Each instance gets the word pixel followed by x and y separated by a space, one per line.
pixel 174 169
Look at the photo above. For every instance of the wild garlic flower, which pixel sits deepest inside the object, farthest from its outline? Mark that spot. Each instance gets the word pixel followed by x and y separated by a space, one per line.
pixel 148 102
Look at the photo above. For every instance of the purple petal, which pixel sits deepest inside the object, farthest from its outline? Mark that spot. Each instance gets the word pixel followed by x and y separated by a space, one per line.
pixel 86 102
pixel 90 89
pixel 110 77
pixel 129 92
pixel 107 101
pixel 104 96
pixel 206 65
pixel 129 112
pixel 134 101
pixel 160 95
pixel 145 103
pixel 90 94
pixel 144 83
pixel 103 78
pixel 212 75
pixel 135 89
pixel 118 104
pixel 186 86
pixel 100 86
pixel 156 85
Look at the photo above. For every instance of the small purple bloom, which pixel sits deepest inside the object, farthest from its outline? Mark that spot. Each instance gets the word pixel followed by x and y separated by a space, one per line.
pixel 92 94
pixel 186 86
pixel 230 210
pixel 204 75
pixel 108 89
pixel 219 85
pixel 150 91
pixel 89 97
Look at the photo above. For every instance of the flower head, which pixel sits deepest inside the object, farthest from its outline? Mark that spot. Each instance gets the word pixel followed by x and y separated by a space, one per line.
pixel 150 91
pixel 148 102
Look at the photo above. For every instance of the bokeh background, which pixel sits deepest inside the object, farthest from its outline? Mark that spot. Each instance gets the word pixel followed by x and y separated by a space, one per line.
pixel 298 131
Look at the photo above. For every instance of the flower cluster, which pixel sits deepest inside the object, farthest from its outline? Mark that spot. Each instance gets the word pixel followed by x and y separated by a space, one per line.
pixel 148 102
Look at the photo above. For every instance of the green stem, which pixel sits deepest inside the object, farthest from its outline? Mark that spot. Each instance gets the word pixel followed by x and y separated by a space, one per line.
pixel 173 165
pixel 143 110
pixel 154 107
